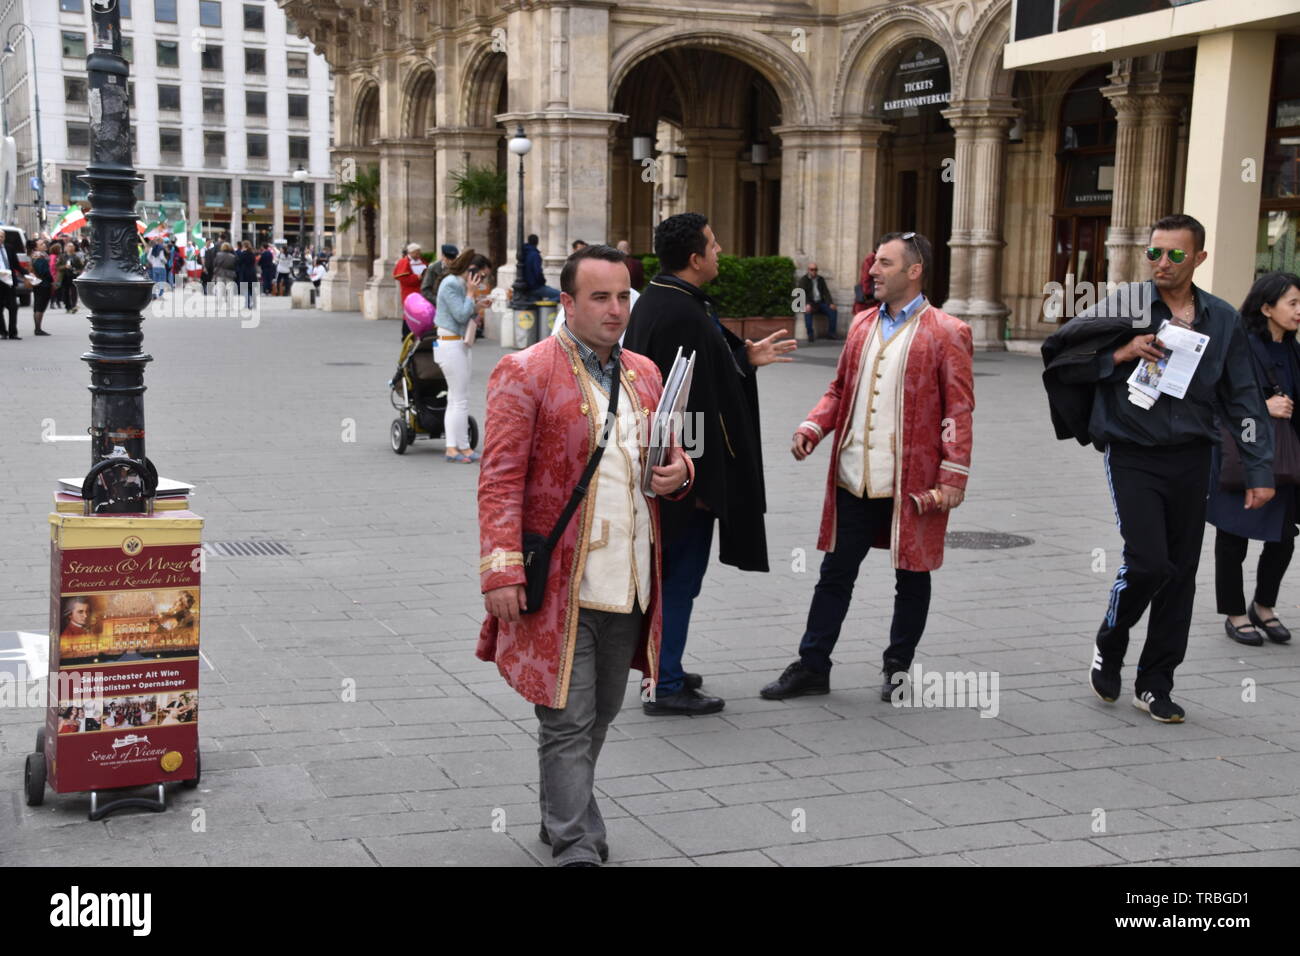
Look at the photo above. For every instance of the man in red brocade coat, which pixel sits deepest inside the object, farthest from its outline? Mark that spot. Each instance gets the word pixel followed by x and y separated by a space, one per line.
pixel 900 409
pixel 546 407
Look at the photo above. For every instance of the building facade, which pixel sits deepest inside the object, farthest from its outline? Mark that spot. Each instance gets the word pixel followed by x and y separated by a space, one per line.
pixel 808 129
pixel 226 102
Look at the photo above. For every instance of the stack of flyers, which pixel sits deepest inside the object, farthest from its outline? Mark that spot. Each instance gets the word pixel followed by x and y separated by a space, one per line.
pixel 1172 373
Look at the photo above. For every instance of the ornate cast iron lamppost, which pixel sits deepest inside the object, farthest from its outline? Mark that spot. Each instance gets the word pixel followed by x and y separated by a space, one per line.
pixel 114 285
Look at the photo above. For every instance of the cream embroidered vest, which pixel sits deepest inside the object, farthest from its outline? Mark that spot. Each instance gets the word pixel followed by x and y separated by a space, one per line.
pixel 868 446
pixel 617 571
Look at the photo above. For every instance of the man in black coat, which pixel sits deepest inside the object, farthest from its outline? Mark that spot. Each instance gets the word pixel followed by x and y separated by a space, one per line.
pixel 721 434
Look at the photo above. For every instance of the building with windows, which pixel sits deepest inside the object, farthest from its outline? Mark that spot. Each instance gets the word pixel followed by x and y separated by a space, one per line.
pixel 226 102
pixel 1033 140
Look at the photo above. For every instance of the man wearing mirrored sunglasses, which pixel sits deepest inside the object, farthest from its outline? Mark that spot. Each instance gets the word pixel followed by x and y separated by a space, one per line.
pixel 1157 459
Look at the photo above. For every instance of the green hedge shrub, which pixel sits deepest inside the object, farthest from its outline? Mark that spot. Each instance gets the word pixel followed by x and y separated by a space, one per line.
pixel 746 287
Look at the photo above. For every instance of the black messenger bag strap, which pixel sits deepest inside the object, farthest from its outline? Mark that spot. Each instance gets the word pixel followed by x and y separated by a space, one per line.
pixel 593 463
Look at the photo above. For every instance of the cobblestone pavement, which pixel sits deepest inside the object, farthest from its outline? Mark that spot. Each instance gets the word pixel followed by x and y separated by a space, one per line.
pixel 382 589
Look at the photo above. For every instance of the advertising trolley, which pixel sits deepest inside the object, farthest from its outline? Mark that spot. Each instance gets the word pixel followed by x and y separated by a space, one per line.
pixel 125 608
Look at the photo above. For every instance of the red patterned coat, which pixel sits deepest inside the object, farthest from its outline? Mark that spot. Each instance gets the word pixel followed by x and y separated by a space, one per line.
pixel 541 428
pixel 933 431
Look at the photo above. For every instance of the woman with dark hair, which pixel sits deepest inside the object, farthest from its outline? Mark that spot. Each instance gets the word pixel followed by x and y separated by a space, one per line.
pixel 467 280
pixel 1270 316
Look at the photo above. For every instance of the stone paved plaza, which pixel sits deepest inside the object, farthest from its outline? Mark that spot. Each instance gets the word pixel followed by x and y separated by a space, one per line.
pixel 435 762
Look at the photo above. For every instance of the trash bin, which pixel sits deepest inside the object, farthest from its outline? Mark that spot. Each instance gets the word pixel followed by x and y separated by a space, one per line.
pixel 547 310
pixel 123 683
pixel 526 326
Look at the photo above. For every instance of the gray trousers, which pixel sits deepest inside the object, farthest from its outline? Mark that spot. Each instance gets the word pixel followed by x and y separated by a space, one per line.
pixel 569 739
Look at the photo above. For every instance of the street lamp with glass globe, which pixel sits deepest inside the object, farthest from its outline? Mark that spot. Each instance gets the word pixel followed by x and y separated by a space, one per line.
pixel 520 145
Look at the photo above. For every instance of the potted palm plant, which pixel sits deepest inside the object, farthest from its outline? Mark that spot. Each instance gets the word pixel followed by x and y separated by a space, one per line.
pixel 361 196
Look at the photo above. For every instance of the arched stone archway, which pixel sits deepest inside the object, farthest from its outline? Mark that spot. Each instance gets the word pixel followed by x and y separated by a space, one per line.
pixel 786 72
pixel 704 113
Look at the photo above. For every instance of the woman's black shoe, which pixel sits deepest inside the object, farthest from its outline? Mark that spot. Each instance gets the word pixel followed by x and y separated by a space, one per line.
pixel 1241 635
pixel 1272 627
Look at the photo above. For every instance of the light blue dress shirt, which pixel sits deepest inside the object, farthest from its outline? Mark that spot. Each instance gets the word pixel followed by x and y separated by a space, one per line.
pixel 889 323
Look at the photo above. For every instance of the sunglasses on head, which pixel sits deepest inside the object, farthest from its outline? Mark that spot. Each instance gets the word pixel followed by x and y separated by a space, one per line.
pixel 1175 255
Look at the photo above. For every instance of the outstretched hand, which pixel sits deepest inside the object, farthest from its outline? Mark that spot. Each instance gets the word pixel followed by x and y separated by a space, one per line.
pixel 769 350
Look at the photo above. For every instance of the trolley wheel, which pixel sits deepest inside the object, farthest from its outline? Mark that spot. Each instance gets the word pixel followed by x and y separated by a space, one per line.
pixel 473 433
pixel 398 436
pixel 34 779
pixel 40 741
pixel 198 771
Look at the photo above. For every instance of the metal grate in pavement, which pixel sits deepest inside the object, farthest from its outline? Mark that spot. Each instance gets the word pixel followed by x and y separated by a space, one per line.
pixel 985 540
pixel 251 548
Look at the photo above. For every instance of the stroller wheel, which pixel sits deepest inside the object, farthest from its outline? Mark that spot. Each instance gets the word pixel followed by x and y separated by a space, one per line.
pixel 473 433
pixel 398 436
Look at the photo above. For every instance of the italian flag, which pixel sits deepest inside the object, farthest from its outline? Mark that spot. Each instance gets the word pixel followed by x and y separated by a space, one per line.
pixel 140 227
pixel 158 230
pixel 196 238
pixel 180 229
pixel 72 220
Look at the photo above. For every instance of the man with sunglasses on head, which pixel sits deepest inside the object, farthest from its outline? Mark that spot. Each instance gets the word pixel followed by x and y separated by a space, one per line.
pixel 900 407
pixel 1157 459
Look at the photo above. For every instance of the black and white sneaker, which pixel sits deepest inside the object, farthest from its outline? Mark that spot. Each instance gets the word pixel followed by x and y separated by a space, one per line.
pixel 1103 680
pixel 1160 707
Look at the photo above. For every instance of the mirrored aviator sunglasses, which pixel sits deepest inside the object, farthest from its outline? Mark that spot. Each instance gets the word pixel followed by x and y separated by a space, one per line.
pixel 1176 256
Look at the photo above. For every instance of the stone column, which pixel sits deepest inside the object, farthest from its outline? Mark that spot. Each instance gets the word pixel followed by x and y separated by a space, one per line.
pixel 1146 142
pixel 713 180
pixel 829 210
pixel 340 290
pixel 406 176
pixel 277 209
pixel 975 273
pixel 456 148
pixel 1229 121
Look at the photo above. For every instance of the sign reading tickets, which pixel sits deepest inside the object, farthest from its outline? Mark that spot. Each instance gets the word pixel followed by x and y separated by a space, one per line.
pixel 921 81
pixel 124 650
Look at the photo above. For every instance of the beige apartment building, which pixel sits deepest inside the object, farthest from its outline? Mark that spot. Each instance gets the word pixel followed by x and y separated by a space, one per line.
pixel 1033 140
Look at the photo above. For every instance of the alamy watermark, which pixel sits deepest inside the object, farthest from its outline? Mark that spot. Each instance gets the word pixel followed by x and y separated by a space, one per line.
pixel 1104 300
pixel 935 689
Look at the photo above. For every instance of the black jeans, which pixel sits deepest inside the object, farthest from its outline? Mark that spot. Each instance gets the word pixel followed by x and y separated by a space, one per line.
pixel 1230 554
pixel 857 521
pixel 1159 498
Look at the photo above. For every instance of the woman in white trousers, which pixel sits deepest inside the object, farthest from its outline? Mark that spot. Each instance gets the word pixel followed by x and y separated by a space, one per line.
pixel 458 290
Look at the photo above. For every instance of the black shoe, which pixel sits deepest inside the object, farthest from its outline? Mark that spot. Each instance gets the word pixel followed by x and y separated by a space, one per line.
pixel 811 338
pixel 685 701
pixel 1272 627
pixel 580 863
pixel 1251 638
pixel 40 332
pixel 1104 680
pixel 1160 707
pixel 694 681
pixel 15 337
pixel 546 839
pixel 796 681
pixel 890 685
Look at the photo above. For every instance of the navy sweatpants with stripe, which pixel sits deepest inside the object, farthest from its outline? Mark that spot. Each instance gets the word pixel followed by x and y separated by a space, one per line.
pixel 1159 498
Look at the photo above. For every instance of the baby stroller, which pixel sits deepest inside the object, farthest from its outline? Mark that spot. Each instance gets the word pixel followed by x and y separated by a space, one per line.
pixel 419 393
